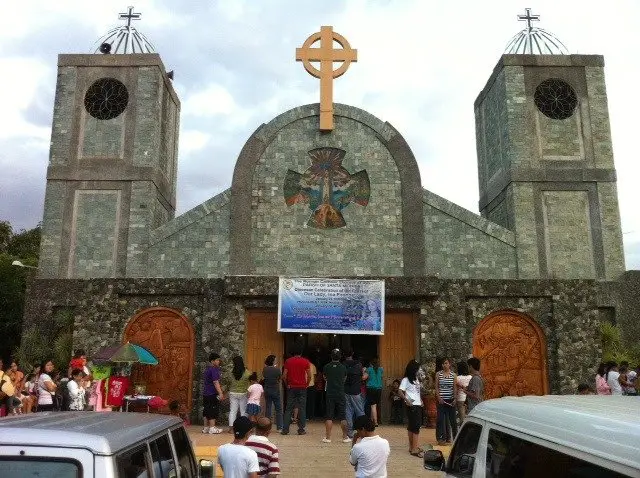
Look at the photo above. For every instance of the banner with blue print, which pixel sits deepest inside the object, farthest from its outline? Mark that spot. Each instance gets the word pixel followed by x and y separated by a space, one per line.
pixel 337 306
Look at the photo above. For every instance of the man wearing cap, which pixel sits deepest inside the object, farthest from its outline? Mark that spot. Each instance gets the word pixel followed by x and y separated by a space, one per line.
pixel 370 452
pixel 236 459
pixel 335 374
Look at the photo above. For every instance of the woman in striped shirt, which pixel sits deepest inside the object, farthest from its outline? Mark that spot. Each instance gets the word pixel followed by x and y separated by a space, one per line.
pixel 446 392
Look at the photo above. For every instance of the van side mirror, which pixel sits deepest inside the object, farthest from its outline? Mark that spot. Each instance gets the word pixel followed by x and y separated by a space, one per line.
pixel 433 460
pixel 465 465
pixel 206 469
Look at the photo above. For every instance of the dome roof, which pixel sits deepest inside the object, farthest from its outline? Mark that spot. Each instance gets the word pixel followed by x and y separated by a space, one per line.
pixel 125 39
pixel 534 41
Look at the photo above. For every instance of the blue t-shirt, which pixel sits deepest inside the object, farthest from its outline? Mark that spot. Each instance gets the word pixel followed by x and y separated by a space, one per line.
pixel 375 378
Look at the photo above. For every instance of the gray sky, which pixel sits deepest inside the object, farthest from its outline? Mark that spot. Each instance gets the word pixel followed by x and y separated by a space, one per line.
pixel 421 65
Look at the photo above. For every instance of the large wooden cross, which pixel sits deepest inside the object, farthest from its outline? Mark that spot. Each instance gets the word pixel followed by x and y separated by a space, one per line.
pixel 326 55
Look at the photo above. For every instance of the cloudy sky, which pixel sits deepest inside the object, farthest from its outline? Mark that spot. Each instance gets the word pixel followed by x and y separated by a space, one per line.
pixel 421 65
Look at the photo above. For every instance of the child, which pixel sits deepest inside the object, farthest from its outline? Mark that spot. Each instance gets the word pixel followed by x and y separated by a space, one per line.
pixel 397 403
pixel 254 394
pixel 174 408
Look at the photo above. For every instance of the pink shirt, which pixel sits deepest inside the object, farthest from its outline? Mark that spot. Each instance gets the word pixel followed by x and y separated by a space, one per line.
pixel 255 392
pixel 602 387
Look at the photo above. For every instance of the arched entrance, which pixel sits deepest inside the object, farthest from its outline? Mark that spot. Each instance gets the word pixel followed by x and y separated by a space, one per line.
pixel 169 336
pixel 512 350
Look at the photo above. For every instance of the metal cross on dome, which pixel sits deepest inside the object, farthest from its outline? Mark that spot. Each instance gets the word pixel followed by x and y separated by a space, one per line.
pixel 527 17
pixel 326 55
pixel 128 16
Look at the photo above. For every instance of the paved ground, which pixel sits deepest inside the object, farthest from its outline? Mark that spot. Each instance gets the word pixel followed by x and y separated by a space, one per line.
pixel 306 456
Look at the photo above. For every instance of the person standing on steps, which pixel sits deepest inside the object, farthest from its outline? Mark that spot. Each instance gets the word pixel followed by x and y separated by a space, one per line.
pixel 296 377
pixel 335 375
pixel 212 395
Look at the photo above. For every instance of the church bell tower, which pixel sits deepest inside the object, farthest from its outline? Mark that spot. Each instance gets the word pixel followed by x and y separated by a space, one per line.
pixel 545 159
pixel 112 166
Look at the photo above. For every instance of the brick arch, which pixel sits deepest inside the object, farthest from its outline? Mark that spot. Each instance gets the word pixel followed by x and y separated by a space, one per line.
pixel 169 335
pixel 513 353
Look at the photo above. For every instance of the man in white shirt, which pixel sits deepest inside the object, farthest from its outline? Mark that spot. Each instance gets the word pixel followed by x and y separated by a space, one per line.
pixel 370 452
pixel 237 460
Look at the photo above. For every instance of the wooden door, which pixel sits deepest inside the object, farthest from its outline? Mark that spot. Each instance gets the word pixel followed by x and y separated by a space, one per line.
pixel 168 335
pixel 512 352
pixel 398 345
pixel 262 339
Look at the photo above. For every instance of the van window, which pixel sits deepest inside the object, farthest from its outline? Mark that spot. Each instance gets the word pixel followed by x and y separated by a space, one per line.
pixel 512 457
pixel 466 446
pixel 184 453
pixel 134 463
pixel 27 467
pixel 162 457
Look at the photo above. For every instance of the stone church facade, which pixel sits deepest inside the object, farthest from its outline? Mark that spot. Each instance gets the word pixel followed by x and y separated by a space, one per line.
pixel 524 285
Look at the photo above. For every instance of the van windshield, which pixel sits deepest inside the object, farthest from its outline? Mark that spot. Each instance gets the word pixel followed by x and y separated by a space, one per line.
pixel 18 467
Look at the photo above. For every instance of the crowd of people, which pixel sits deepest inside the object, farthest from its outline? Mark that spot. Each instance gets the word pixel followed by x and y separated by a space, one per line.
pixel 43 389
pixel 73 387
pixel 352 395
pixel 614 379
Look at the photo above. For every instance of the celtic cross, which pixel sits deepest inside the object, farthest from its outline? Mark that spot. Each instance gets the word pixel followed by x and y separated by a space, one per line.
pixel 326 55
pixel 129 16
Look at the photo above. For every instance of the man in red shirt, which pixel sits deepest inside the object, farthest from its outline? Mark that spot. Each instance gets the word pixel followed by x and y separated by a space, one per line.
pixel 296 377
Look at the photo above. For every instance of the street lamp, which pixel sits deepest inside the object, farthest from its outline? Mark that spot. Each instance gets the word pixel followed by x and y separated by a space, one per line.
pixel 20 264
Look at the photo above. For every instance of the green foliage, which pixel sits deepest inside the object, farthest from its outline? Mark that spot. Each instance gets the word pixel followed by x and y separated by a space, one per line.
pixel 54 342
pixel 23 246
pixel 613 347
pixel 33 346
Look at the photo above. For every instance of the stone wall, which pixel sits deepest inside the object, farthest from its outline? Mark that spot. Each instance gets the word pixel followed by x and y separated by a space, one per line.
pixel 460 244
pixel 196 244
pixel 551 181
pixel 282 241
pixel 87 232
pixel 567 312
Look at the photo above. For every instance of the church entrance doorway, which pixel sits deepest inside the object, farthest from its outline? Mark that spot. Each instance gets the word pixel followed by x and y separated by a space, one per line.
pixel 512 351
pixel 398 345
pixel 168 335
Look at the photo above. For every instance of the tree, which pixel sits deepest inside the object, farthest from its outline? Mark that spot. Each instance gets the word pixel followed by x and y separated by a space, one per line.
pixel 23 246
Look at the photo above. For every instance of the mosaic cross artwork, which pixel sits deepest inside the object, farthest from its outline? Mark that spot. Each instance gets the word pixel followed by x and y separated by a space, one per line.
pixel 327 187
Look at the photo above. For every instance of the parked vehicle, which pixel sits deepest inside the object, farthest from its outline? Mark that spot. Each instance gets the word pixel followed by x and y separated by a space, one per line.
pixel 98 445
pixel 550 436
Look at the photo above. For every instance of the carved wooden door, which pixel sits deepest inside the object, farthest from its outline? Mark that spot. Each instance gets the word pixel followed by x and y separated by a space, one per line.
pixel 168 335
pixel 262 339
pixel 512 351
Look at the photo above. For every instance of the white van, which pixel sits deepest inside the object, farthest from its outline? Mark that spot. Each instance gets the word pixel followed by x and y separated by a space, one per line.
pixel 553 436
pixel 97 445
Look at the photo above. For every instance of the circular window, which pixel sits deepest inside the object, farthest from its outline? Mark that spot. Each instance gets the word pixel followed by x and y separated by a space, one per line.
pixel 555 99
pixel 106 99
